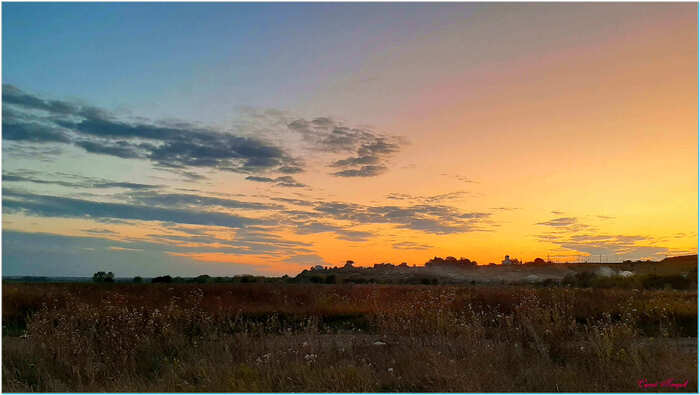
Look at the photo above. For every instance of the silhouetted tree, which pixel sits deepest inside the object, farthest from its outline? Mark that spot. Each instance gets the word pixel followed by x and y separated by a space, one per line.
pixel 138 280
pixel 102 277
pixel 162 279
pixel 450 261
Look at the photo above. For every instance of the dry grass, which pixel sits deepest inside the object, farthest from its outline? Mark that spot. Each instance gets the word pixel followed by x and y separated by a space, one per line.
pixel 217 337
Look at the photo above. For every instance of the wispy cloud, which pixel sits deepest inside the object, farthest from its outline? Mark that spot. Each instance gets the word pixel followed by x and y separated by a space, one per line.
pixel 559 222
pixel 71 181
pixel 283 181
pixel 55 206
pixel 370 150
pixel 456 195
pixel 570 234
pixel 409 245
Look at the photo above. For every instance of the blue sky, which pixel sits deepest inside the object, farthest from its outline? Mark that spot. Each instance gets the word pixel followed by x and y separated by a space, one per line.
pixel 199 60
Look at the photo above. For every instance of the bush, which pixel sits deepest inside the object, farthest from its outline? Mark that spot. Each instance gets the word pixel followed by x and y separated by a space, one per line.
pixel 581 279
pixel 162 279
pixel 653 281
pixel 102 277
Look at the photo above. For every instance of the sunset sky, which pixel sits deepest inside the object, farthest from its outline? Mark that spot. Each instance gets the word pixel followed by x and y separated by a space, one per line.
pixel 223 139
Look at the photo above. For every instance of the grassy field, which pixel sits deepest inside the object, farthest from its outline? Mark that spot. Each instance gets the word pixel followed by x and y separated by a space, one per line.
pixel 304 337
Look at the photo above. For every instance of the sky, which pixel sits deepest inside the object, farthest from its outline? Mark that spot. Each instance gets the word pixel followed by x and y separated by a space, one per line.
pixel 235 138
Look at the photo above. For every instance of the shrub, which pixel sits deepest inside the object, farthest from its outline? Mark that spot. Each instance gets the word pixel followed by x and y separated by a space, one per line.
pixel 162 279
pixel 581 279
pixel 102 277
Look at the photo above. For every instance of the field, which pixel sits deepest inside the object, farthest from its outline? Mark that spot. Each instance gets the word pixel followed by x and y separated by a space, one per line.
pixel 315 338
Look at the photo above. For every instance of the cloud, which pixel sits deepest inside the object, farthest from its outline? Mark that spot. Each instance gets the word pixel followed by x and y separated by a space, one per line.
pixel 341 233
pixel 567 225
pixel 180 145
pixel 353 235
pixel 54 206
pixel 297 202
pixel 264 244
pixel 364 171
pixel 437 219
pixel 362 160
pixel 13 95
pixel 32 132
pixel 100 231
pixel 428 218
pixel 460 178
pixel 121 149
pixel 127 185
pixel 314 227
pixel 409 245
pixel 283 181
pixel 152 198
pixel 568 235
pixel 290 169
pixel 370 149
pixel 34 152
pixel 428 199
pixel 288 181
pixel 557 222
pixel 71 181
pixel 260 179
pixel 115 248
pixel 186 148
